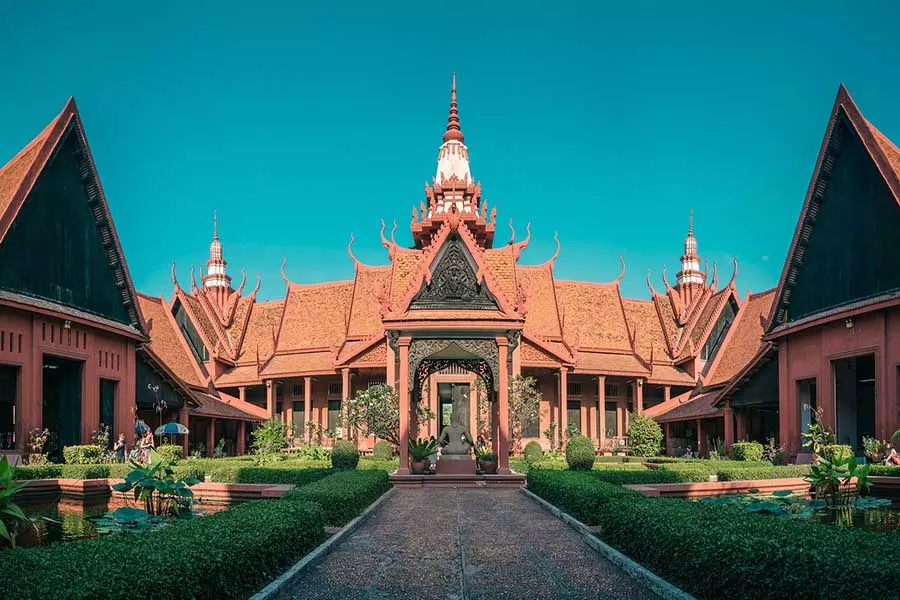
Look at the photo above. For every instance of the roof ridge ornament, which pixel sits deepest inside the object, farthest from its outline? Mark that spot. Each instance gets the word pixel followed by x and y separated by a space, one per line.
pixel 622 273
pixel 553 258
pixel 454 131
pixel 258 282
pixel 734 272
pixel 174 277
pixel 650 284
pixel 512 232
pixel 283 274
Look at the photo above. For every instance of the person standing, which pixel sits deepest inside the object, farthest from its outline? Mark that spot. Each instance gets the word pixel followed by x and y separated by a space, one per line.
pixel 119 448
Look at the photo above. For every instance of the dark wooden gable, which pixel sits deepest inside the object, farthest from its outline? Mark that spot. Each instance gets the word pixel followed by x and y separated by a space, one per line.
pixel 153 387
pixel 54 249
pixel 759 389
pixel 852 238
pixel 454 283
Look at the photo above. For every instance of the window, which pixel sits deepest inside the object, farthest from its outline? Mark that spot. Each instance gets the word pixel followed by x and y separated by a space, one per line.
pixel 108 407
pixel 334 415
pixel 531 427
pixel 334 389
pixel 299 423
pixel 190 333
pixel 612 420
pixel 374 382
pixel 573 388
pixel 8 376
pixel 573 416
pixel 296 390
pixel 717 335
pixel 612 388
pixel 806 396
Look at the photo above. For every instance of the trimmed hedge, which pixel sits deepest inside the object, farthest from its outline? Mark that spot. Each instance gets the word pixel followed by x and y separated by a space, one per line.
pixel 645 436
pixel 171 452
pixel 383 450
pixel 580 453
pixel 751 451
pixel 343 494
pixel 885 470
pixel 112 471
pixel 639 477
pixel 88 454
pixel 230 554
pixel 344 455
pixel 533 452
pixel 729 473
pixel 278 475
pixel 743 555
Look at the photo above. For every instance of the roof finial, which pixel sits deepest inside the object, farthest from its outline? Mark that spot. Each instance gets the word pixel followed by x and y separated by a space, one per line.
pixel 691 225
pixel 215 225
pixel 453 130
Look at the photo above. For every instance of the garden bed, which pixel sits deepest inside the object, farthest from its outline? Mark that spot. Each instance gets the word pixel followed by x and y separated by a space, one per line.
pixel 796 485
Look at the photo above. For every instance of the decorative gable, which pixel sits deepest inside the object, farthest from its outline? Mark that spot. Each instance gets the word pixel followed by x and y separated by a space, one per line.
pixel 454 281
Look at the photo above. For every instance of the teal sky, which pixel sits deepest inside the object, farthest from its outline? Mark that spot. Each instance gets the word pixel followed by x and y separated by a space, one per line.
pixel 301 123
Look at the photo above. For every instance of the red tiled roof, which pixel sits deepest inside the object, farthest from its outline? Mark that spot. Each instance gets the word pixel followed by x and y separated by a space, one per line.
pixel 305 362
pixel 235 331
pixel 542 317
pixel 315 316
pixel 239 375
pixel 405 264
pixel 592 315
pixel 683 408
pixel 502 265
pixel 365 312
pixel 670 374
pixel 648 332
pixel 744 338
pixel 211 406
pixel 261 330
pixel 603 362
pixel 166 341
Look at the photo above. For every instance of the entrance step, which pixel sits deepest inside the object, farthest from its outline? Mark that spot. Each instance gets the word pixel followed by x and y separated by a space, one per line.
pixel 514 480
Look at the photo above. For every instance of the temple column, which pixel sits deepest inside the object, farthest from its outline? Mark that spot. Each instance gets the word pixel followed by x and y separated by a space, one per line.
pixel 390 373
pixel 184 417
pixel 403 349
pixel 242 438
pixel 289 417
pixel 620 417
pixel 503 416
pixel 211 437
pixel 728 415
pixel 495 425
pixel 307 407
pixel 345 401
pixel 699 436
pixel 433 404
pixel 601 406
pixel 563 406
pixel 667 393
pixel 592 420
pixel 242 393
pixel 668 439
pixel 583 414
pixel 638 396
pixel 271 404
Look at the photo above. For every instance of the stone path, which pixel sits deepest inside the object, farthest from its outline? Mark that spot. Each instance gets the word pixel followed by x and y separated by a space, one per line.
pixel 464 544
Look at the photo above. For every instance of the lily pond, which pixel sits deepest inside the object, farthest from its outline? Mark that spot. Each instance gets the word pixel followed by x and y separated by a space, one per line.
pixel 66 520
pixel 872 514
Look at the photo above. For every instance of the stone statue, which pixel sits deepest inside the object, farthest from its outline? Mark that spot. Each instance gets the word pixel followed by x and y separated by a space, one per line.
pixel 456 435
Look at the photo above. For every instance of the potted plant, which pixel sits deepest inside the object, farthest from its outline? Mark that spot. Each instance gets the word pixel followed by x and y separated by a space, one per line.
pixel 872 448
pixel 419 451
pixel 486 460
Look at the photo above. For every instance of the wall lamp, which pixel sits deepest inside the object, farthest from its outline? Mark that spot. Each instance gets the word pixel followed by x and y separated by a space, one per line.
pixel 848 323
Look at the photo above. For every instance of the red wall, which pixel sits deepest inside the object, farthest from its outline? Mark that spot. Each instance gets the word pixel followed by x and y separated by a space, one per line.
pixel 103 354
pixel 809 353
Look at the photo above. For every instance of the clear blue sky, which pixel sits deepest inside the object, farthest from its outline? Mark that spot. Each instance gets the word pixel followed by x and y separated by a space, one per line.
pixel 302 123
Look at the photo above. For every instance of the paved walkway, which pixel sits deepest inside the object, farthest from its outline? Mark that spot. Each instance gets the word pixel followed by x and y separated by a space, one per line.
pixel 464 544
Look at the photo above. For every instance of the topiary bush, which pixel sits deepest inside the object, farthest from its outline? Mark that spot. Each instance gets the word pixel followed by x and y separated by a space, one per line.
pixel 580 453
pixel 343 495
pixel 645 436
pixel 747 451
pixel 533 452
pixel 88 454
pixel 344 455
pixel 383 450
pixel 171 452
pixel 832 451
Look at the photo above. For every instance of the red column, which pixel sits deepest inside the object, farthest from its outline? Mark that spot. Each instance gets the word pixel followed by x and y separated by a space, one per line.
pixel 667 393
pixel 389 373
pixel 271 404
pixel 699 436
pixel 563 406
pixel 345 398
pixel 307 407
pixel 242 393
pixel 495 424
pixel 728 415
pixel 242 438
pixel 668 439
pixel 184 419
pixel 601 405
pixel 638 396
pixel 211 437
pixel 404 406
pixel 503 416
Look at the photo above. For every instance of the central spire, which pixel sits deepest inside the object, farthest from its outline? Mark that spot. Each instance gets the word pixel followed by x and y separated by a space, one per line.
pixel 453 130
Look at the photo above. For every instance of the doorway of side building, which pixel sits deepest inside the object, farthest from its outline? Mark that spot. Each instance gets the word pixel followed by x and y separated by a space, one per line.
pixel 854 399
pixel 61 403
pixel 446 393
pixel 9 377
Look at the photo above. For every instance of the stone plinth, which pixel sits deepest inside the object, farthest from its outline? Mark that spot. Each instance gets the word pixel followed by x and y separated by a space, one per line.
pixel 455 465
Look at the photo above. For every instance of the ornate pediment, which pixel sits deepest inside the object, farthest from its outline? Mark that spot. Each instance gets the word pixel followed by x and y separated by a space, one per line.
pixel 454 282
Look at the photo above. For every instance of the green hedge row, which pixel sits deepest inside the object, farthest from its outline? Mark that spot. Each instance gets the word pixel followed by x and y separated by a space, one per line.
pixel 230 554
pixel 343 494
pixel 113 471
pixel 885 470
pixel 645 477
pixel 278 475
pixel 726 552
pixel 728 473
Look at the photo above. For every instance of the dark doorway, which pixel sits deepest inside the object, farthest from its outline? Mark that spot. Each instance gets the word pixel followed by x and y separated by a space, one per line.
pixel 108 408
pixel 62 403
pixel 854 395
pixel 9 377
pixel 299 423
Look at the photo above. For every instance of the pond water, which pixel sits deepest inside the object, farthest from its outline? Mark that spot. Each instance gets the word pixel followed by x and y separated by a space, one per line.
pixel 67 520
pixel 872 519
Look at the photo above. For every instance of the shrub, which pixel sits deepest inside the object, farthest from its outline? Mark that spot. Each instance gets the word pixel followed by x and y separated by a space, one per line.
pixel 344 494
pixel 82 455
pixel 111 471
pixel 784 552
pixel 269 474
pixel 270 437
pixel 645 436
pixel 882 470
pixel 611 459
pixel 580 453
pixel 195 559
pixel 832 451
pixel 533 452
pixel 387 466
pixel 383 450
pixel 747 451
pixel 170 452
pixel 638 477
pixel 728 472
pixel 344 455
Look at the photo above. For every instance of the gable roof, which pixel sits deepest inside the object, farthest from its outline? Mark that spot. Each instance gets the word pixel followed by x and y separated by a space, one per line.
pixel 743 340
pixel 166 341
pixel 886 157
pixel 19 175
